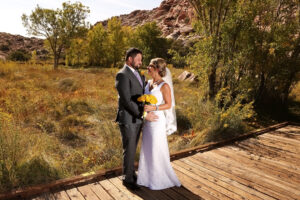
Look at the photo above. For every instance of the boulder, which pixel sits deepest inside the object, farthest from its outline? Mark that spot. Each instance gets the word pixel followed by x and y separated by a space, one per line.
pixel 187 76
pixel 184 75
pixel 2 58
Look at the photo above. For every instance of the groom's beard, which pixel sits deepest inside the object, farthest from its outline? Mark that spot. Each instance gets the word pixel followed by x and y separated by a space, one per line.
pixel 135 66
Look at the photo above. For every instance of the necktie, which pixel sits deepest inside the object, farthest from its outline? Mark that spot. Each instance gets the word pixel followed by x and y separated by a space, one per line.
pixel 136 73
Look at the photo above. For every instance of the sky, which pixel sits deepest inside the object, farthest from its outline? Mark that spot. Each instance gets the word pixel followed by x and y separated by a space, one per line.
pixel 12 10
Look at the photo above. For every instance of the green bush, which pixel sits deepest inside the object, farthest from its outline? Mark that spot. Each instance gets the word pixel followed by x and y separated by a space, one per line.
pixel 37 171
pixel 223 118
pixel 19 55
pixel 4 47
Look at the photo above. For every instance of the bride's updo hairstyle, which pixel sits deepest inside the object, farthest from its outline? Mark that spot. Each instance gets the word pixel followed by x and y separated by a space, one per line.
pixel 160 64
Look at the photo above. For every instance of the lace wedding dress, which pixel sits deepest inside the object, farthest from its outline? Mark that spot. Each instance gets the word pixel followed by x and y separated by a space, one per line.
pixel 155 170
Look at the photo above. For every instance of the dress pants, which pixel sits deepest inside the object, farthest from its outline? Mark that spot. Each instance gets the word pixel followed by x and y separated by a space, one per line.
pixel 130 137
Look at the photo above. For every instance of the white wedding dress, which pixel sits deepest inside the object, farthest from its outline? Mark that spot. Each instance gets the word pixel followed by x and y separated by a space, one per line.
pixel 155 170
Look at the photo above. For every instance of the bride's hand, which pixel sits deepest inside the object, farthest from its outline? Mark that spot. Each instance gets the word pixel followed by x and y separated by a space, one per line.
pixel 148 108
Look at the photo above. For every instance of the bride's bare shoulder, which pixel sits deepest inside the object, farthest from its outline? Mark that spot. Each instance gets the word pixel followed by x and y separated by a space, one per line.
pixel 165 87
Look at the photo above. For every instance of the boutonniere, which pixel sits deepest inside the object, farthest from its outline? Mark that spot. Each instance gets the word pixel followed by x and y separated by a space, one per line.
pixel 143 73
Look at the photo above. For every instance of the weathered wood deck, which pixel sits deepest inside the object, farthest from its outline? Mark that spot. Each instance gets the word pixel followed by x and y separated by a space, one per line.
pixel 264 167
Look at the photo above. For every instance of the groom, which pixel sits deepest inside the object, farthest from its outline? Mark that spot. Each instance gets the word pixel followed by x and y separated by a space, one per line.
pixel 130 85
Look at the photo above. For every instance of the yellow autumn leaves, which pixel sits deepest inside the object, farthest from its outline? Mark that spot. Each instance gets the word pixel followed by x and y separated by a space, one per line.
pixel 147 99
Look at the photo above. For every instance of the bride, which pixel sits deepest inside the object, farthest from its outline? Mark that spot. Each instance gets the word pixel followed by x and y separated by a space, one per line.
pixel 155 170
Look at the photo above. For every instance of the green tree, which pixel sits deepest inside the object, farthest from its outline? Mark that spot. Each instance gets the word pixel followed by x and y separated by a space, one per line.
pixel 58 26
pixel 211 17
pixel 117 41
pixel 19 55
pixel 248 46
pixel 77 52
pixel 148 38
pixel 97 46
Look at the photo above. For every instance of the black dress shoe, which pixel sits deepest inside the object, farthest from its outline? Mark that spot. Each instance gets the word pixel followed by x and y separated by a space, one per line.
pixel 131 186
pixel 135 178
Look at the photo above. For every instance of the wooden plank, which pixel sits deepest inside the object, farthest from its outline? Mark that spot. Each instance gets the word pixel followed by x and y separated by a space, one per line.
pixel 268 152
pixel 231 185
pixel 174 195
pixel 46 196
pixel 213 145
pixel 100 192
pixel 262 174
pixel 61 195
pixel 192 185
pixel 293 125
pixel 280 145
pixel 155 194
pixel 290 129
pixel 268 161
pixel 118 183
pixel 244 184
pixel 205 185
pixel 87 192
pixel 241 174
pixel 270 169
pixel 147 194
pixel 244 171
pixel 74 194
pixel 255 170
pixel 293 141
pixel 186 193
pixel 112 190
pixel 286 133
pixel 263 151
pixel 211 181
pixel 283 139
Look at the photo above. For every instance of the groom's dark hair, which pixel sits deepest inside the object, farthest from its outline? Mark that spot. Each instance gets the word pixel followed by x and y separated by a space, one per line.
pixel 132 52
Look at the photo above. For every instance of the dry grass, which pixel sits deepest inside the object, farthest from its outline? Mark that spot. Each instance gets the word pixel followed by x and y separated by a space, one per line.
pixel 63 122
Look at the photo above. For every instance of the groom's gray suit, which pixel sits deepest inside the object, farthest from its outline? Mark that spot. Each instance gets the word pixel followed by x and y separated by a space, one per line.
pixel 129 117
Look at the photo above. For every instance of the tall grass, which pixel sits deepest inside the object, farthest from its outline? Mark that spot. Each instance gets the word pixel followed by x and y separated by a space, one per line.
pixel 60 123
pixel 10 151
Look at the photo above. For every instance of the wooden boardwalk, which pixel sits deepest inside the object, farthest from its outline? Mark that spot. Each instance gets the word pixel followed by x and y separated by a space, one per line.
pixel 264 167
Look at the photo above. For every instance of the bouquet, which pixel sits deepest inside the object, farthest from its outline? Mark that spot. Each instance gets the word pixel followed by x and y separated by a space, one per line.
pixel 147 99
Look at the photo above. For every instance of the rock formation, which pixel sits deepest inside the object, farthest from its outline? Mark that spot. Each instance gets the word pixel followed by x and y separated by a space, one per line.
pixel 173 17
pixel 10 43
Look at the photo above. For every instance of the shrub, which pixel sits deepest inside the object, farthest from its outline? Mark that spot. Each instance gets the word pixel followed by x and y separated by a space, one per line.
pixel 79 107
pixel 4 47
pixel 19 55
pixel 222 119
pixel 67 85
pixel 37 171
pixel 10 152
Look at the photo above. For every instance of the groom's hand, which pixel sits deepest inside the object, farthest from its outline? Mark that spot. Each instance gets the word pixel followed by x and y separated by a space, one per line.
pixel 151 117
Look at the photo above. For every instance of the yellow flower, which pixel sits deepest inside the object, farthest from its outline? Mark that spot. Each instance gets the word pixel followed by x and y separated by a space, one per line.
pixel 153 100
pixel 225 125
pixel 148 99
pixel 271 51
pixel 142 73
pixel 142 99
pixel 224 115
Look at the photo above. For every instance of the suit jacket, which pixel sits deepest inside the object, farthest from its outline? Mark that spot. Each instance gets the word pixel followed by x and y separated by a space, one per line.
pixel 129 89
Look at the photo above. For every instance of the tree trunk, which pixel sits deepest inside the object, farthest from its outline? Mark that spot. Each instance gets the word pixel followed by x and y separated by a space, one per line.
pixel 212 81
pixel 55 61
pixel 261 87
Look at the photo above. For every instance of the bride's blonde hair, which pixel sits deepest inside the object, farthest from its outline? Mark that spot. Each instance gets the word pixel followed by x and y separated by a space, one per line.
pixel 160 64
